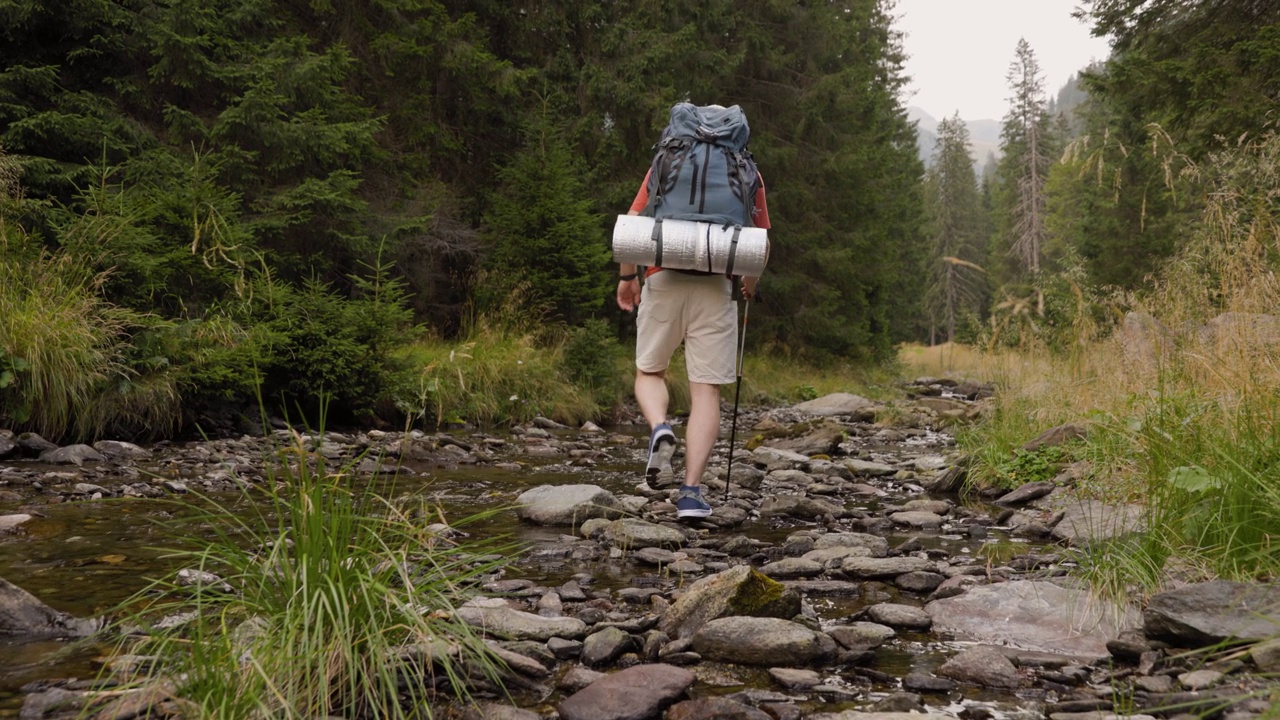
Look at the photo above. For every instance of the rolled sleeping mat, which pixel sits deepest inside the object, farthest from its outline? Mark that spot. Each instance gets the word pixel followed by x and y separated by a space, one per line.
pixel 689 245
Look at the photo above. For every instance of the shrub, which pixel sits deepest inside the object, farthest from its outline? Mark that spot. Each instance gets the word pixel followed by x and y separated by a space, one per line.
pixel 592 360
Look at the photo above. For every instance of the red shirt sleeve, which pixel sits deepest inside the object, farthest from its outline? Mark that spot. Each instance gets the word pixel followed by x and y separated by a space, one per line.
pixel 642 197
pixel 760 215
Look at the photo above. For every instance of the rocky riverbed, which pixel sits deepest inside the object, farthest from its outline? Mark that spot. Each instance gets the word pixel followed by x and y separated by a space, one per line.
pixel 840 576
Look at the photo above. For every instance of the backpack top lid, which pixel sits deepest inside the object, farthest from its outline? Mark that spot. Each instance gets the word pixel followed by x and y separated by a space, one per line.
pixel 723 126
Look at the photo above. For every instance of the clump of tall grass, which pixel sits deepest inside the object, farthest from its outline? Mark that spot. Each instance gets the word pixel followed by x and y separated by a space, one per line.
pixel 64 365
pixel 328 600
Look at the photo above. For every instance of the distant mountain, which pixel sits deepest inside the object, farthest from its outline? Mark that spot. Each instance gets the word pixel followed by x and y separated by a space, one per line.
pixel 984 136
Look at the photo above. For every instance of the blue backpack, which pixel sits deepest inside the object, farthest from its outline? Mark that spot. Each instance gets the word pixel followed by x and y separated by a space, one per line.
pixel 702 170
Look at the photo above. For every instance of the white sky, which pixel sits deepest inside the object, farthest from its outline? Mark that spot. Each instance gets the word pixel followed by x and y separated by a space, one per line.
pixel 960 50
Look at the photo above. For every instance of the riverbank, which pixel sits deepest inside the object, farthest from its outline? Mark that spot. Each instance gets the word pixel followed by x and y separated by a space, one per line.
pixel 883 580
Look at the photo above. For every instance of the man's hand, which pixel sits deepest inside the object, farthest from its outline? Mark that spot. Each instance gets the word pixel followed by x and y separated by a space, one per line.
pixel 749 291
pixel 628 294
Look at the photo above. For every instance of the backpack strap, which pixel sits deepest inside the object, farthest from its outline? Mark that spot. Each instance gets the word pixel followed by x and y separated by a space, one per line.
pixel 733 250
pixel 657 238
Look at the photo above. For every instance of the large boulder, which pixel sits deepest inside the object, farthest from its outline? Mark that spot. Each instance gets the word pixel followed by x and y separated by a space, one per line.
pixel 567 504
pixel 495 617
pixel 740 590
pixel 1034 615
pixel 1088 520
pixel 1212 612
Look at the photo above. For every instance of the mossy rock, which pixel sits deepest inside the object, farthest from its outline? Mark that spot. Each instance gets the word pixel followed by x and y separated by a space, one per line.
pixel 741 590
pixel 813 437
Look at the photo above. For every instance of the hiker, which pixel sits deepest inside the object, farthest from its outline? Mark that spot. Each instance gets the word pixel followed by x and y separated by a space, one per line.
pixel 690 307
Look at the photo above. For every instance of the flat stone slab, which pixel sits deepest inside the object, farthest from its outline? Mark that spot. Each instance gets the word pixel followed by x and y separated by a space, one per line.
pixel 836 404
pixel 1212 612
pixel 1034 615
pixel 1089 520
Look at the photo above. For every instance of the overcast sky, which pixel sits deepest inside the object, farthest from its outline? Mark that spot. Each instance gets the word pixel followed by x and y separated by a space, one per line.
pixel 960 50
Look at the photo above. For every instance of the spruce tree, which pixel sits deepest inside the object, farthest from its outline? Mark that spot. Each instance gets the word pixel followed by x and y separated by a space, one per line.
pixel 954 208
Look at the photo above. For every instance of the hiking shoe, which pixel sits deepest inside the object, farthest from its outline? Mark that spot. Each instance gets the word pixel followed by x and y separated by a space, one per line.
pixel 690 504
pixel 662 445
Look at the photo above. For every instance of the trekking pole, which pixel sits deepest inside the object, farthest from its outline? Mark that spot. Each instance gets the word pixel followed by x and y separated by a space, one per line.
pixel 733 426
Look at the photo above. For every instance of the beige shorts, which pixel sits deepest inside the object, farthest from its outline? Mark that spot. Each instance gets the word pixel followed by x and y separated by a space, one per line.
pixel 697 310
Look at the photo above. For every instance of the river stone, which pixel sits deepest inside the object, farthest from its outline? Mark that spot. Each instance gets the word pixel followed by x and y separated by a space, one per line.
pixel 860 715
pixel 878 546
pixel 1089 520
pixel 1033 615
pixel 937 507
pixel 22 614
pixel 799 506
pixel 862 635
pixel 981 666
pixel 740 590
pixel 1266 655
pixel 832 557
pixel 790 568
pixel 7 446
pixel 917 519
pixel 795 678
pixel 77 454
pixel 120 449
pixel 604 646
pixel 1212 612
pixel 566 504
pixel 631 533
pixel 714 708
pixel 10 523
pixel 637 693
pixel 820 439
pixel 869 567
pixel 33 444
pixel 494 711
pixel 1056 436
pixel 919 581
pixel 496 617
pixel 1026 493
pixel 774 459
pixel 837 404
pixel 898 615
pixel 868 468
pixel 761 641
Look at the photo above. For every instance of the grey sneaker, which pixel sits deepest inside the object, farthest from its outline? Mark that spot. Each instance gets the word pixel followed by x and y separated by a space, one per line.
pixel 662 445
pixel 690 504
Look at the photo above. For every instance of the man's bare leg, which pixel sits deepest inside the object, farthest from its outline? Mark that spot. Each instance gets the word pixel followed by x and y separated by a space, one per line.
pixel 651 394
pixel 704 428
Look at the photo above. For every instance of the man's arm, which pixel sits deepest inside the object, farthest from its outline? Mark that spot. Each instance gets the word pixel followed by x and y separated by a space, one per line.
pixel 628 282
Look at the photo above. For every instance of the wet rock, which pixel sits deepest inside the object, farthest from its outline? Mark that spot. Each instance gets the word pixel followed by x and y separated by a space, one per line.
pixel 76 455
pixel 1266 655
pixel 1154 683
pixel 742 590
pixel 866 468
pixel 8 446
pixel 800 506
pixel 809 439
pixel 861 635
pixel 1086 521
pixel 1199 679
pixel 919 582
pixel 923 682
pixel 566 504
pixel 838 404
pixel 604 646
pixel 1026 493
pixel 32 444
pixel 896 615
pixel 494 711
pixel 917 519
pixel 900 702
pixel 876 715
pixel 1056 436
pixel 867 568
pixel 579 677
pixel 21 614
pixel 190 577
pixel 10 523
pixel 790 568
pixel 1033 615
pixel 495 617
pixel 981 666
pixel 774 459
pixel 761 641
pixel 795 678
pixel 512 661
pixel 630 533
pixel 637 693
pixel 564 649
pixel 120 449
pixel 1213 612
pixel 874 544
pixel 714 708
